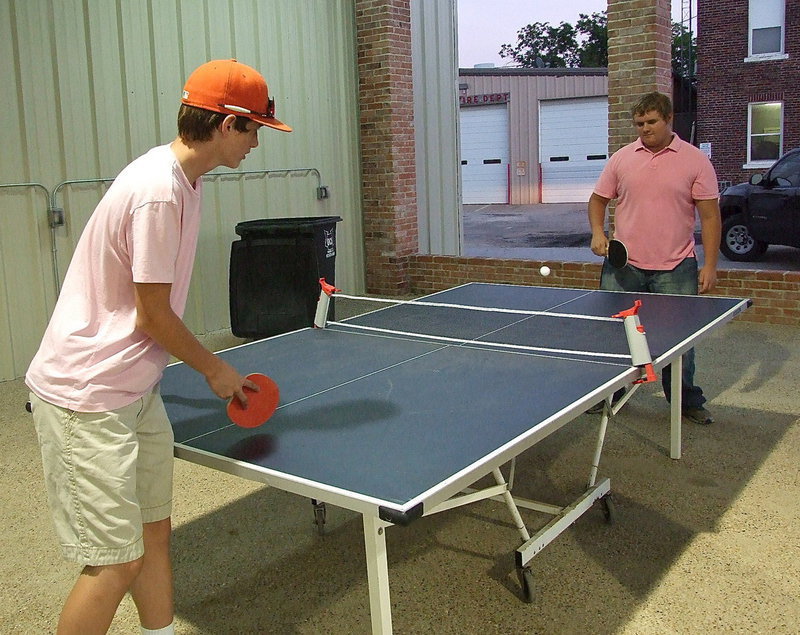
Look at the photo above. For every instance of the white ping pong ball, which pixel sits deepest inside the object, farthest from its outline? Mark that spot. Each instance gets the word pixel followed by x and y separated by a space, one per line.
pixel 545 271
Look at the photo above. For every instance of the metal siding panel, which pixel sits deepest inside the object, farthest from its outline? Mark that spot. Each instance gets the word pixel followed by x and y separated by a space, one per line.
pixel 24 292
pixel 341 131
pixel 436 126
pixel 524 187
pixel 219 32
pixel 114 72
pixel 192 35
pixel 138 76
pixel 41 135
pixel 30 138
pixel 13 159
pixel 109 103
pixel 167 68
pixel 526 93
pixel 75 103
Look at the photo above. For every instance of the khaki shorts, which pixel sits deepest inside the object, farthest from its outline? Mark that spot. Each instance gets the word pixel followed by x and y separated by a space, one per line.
pixel 106 474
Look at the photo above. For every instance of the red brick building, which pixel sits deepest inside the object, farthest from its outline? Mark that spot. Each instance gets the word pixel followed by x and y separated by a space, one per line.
pixel 748 69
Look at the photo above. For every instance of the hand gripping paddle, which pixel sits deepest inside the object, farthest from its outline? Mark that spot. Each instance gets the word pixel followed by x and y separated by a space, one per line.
pixel 260 405
pixel 617 253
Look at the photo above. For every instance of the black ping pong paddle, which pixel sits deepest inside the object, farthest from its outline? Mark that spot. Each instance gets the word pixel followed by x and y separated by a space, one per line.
pixel 617 253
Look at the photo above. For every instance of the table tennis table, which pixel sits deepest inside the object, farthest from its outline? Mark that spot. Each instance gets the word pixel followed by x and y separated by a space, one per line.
pixel 397 413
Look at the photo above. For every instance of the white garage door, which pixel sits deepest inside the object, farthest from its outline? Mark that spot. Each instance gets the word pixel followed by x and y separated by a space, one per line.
pixel 484 154
pixel 573 147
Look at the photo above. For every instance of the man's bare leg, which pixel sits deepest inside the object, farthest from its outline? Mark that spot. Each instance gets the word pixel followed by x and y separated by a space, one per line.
pixel 152 588
pixel 94 599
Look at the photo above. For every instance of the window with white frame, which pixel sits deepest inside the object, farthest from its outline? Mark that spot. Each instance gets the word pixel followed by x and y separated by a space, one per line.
pixel 765 127
pixel 767 28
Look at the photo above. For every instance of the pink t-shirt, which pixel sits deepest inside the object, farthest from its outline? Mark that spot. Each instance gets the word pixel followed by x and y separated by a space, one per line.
pixel 92 358
pixel 655 213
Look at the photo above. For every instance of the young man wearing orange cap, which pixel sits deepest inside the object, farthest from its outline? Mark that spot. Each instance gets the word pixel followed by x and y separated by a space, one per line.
pixel 105 438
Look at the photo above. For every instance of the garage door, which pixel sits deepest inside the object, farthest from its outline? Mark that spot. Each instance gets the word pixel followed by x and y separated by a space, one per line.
pixel 484 154
pixel 573 147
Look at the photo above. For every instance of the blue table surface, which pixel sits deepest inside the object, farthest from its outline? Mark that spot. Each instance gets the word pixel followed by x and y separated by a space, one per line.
pixel 390 417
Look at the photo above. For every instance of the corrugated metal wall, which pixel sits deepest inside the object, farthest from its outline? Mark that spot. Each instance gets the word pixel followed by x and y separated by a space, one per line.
pixel 91 84
pixel 436 126
pixel 523 113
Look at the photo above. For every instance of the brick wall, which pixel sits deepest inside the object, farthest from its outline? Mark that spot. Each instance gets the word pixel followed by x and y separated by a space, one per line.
pixel 726 84
pixel 383 32
pixel 639 60
pixel 640 55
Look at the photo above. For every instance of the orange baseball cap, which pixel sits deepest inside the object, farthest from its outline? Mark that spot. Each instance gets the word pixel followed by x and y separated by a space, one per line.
pixel 232 88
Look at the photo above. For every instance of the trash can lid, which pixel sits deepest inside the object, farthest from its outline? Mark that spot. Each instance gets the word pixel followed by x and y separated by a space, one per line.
pixel 265 226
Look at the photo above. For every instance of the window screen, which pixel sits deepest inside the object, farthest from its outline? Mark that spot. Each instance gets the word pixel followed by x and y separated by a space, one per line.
pixel 767 20
pixel 765 131
pixel 767 40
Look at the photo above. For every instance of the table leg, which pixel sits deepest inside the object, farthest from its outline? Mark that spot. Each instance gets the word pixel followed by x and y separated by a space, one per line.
pixel 380 607
pixel 675 408
pixel 512 506
pixel 598 451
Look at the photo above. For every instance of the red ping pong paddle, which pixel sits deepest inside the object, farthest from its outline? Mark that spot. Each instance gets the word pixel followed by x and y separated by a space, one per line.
pixel 617 253
pixel 260 405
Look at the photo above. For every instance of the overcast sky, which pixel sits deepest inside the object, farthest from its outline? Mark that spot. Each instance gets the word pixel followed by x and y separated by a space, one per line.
pixel 485 25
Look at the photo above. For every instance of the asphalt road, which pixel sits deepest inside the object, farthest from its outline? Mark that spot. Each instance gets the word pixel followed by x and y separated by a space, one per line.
pixel 560 231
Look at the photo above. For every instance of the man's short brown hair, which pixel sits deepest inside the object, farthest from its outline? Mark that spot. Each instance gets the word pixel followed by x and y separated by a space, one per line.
pixel 197 124
pixel 653 101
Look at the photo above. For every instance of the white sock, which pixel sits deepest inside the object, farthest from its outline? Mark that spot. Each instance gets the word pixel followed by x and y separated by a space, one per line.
pixel 167 630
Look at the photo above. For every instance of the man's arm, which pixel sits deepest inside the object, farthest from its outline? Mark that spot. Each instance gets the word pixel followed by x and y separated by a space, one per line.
pixel 711 234
pixel 597 219
pixel 155 317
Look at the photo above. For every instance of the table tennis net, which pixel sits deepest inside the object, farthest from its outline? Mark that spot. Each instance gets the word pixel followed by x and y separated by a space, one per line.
pixel 550 332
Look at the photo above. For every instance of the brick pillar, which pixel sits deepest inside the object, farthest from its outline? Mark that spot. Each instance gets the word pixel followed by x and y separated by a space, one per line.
pixel 639 60
pixel 383 33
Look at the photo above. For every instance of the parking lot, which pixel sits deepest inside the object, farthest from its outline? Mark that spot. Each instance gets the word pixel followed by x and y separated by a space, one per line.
pixel 560 232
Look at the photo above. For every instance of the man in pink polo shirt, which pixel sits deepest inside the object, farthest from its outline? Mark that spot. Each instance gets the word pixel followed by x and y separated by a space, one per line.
pixel 659 180
pixel 107 445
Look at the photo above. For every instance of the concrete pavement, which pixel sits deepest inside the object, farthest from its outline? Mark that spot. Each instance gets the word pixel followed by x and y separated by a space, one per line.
pixel 560 232
pixel 707 544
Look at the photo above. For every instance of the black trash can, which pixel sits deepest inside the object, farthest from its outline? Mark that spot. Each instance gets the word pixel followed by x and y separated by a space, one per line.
pixel 275 270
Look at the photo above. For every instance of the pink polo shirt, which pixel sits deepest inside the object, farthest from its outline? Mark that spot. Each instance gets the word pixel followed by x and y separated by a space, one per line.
pixel 655 213
pixel 92 358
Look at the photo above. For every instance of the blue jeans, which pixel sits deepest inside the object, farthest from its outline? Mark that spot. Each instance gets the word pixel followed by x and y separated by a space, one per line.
pixel 682 280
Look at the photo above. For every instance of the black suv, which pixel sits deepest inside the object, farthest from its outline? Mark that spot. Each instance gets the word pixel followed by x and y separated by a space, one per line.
pixel 763 212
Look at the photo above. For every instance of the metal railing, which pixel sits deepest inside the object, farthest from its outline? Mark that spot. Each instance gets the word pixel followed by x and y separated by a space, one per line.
pixel 56 215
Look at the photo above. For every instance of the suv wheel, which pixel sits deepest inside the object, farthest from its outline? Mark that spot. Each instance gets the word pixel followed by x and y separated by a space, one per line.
pixel 737 243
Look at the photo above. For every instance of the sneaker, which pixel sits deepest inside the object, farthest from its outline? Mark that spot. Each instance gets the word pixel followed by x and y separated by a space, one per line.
pixel 698 414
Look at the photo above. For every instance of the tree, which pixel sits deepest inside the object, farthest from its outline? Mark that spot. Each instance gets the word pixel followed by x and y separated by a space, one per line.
pixel 684 51
pixel 540 44
pixel 585 45
pixel 593 51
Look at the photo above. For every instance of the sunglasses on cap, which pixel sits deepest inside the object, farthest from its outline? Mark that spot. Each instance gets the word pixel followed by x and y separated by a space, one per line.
pixel 270 114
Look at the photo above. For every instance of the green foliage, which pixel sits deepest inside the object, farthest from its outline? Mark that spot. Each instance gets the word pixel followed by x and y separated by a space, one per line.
pixel 582 45
pixel 593 51
pixel 684 51
pixel 553 46
pixel 585 45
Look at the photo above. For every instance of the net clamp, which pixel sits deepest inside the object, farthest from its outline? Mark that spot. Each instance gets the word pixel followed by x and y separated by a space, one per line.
pixel 321 315
pixel 637 342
